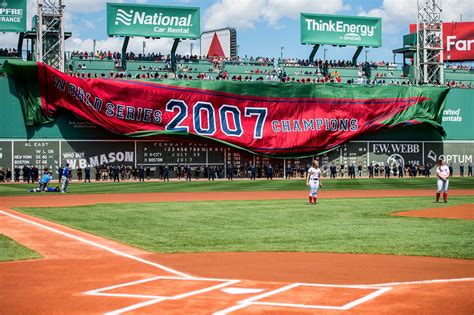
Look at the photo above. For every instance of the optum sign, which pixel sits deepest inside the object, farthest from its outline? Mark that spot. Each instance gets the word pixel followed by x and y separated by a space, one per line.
pixel 341 30
pixel 152 21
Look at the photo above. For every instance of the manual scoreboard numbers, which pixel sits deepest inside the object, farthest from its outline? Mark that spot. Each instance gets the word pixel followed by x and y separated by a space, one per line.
pixel 354 153
pixel 153 153
pixel 36 153
pixel 5 154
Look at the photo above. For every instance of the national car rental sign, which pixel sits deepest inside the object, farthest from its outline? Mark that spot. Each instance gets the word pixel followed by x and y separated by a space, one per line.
pixel 124 19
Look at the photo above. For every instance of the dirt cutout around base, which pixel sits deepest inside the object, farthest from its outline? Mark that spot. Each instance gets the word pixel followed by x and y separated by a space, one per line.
pixel 463 212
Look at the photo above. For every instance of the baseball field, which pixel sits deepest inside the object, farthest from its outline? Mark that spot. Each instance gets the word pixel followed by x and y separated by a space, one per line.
pixel 369 246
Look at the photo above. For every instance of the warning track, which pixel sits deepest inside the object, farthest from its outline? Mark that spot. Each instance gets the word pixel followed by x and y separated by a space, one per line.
pixel 82 273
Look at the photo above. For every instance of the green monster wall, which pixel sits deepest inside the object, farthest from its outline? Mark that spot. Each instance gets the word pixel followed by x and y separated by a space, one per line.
pixel 72 139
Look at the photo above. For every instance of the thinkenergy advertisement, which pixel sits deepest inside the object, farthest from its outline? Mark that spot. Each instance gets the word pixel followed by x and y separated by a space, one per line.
pixel 328 29
pixel 277 119
pixel 152 20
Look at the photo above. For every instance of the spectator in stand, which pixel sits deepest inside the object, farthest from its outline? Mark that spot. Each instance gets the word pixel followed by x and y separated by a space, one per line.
pixel 116 171
pixel 400 170
pixel 26 173
pixel 79 173
pixel 332 170
pixel 359 169
pixel 8 52
pixel 371 170
pixel 387 171
pixel 16 174
pixel 8 175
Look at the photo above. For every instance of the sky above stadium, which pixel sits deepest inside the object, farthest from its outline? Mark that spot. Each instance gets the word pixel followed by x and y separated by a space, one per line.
pixel 263 26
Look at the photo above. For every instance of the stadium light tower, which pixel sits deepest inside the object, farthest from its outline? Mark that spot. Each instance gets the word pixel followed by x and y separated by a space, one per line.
pixel 429 43
pixel 50 33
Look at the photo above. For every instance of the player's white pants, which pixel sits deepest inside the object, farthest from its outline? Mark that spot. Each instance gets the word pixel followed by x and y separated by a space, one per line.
pixel 442 185
pixel 313 188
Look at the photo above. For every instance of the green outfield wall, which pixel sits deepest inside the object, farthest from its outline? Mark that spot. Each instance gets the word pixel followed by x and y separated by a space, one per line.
pixel 80 142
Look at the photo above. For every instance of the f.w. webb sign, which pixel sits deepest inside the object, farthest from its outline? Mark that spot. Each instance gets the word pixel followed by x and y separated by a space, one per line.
pixel 152 21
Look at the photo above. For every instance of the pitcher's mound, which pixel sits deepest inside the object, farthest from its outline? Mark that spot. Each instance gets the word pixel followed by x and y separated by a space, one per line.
pixel 464 212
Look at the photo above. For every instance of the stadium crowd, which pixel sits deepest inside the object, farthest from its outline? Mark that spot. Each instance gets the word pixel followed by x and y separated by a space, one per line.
pixel 459 67
pixel 8 52
pixel 131 56
pixel 274 75
pixel 268 170
pixel 259 69
pixel 333 63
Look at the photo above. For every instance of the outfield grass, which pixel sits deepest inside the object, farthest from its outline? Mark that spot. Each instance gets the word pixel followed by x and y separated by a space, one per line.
pixel 11 250
pixel 244 185
pixel 335 225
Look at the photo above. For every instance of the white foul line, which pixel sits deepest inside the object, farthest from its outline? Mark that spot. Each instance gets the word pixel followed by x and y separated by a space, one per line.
pixel 422 282
pixel 106 248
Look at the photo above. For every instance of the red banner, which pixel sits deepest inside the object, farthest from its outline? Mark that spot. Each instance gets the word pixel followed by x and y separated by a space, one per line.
pixel 265 123
pixel 458 40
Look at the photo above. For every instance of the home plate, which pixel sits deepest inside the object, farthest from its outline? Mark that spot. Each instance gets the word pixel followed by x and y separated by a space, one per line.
pixel 241 290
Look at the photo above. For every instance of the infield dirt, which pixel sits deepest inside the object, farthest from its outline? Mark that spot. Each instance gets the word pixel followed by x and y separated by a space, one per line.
pixel 71 267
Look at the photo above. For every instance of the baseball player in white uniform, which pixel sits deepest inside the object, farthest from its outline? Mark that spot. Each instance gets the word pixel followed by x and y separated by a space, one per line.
pixel 313 181
pixel 442 172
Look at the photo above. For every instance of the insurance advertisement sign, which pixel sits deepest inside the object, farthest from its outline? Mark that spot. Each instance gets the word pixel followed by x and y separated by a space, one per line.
pixel 12 15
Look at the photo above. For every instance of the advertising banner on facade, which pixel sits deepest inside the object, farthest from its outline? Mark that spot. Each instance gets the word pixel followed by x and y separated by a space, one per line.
pixel 219 43
pixel 80 154
pixel 13 16
pixel 152 20
pixel 458 115
pixel 328 29
pixel 458 40
pixel 279 119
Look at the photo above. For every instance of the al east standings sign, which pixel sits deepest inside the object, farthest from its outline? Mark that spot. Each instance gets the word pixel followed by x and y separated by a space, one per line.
pixel 327 29
pixel 12 15
pixel 152 21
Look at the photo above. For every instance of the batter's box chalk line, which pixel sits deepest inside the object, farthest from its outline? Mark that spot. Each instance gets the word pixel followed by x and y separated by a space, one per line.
pixel 154 299
pixel 256 299
pixel 102 291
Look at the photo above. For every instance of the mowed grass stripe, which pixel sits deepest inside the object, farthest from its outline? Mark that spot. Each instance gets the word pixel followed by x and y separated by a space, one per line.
pixel 243 185
pixel 335 225
pixel 11 250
